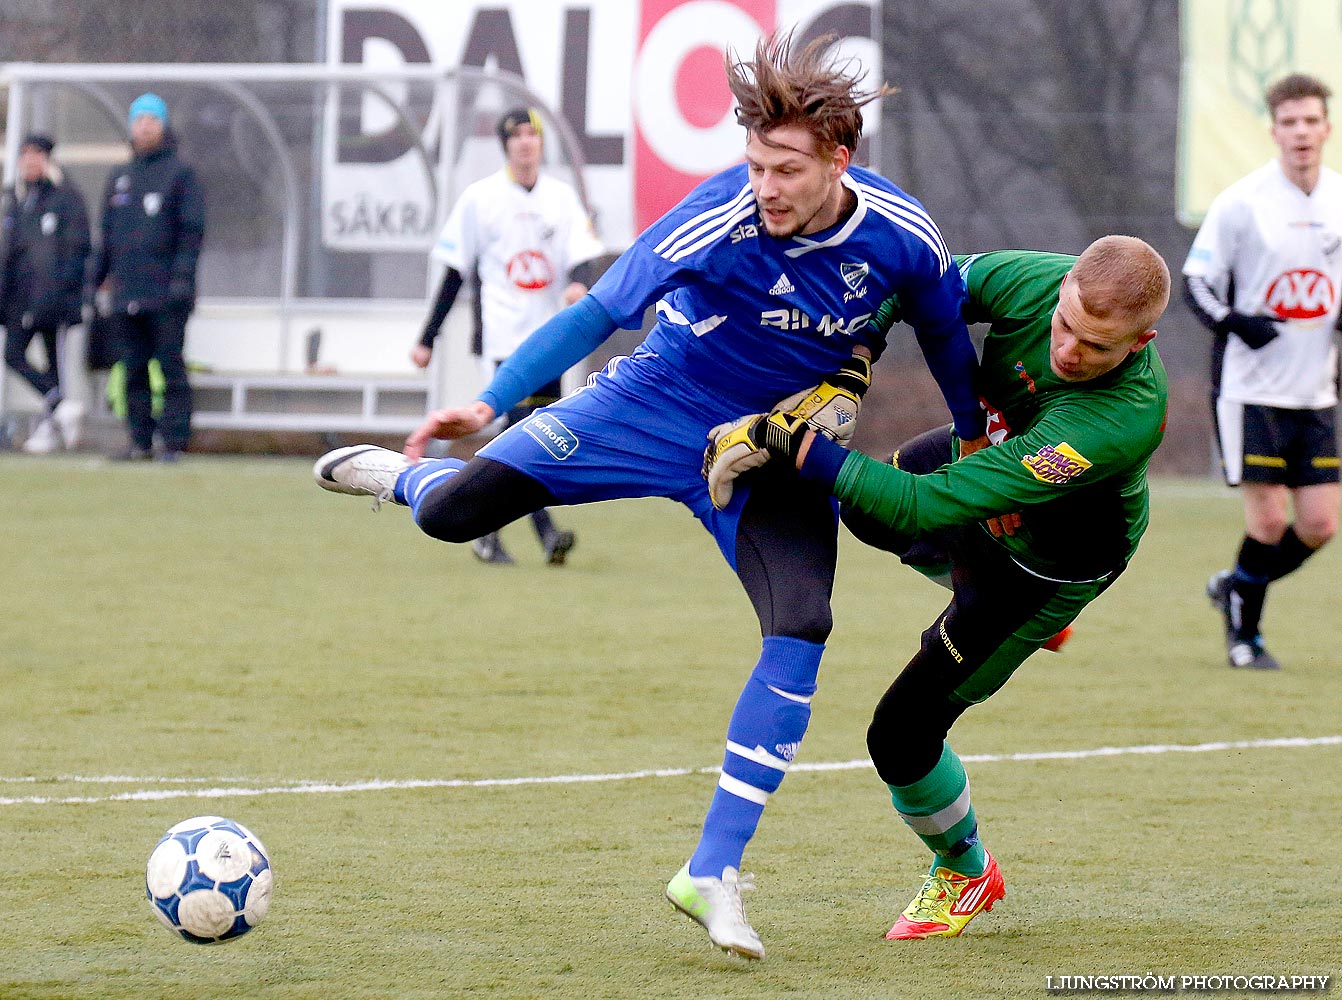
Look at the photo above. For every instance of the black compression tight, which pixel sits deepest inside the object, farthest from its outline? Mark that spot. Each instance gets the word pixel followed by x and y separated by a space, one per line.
pixel 786 544
pixel 482 497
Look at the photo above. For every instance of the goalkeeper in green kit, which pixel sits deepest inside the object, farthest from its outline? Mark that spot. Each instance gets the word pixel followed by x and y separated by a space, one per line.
pixel 1029 531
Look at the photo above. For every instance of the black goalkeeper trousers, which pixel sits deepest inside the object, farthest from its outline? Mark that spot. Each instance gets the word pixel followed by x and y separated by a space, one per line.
pixel 992 597
pixel 786 544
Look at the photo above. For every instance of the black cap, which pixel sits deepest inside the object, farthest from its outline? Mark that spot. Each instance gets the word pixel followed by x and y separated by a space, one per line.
pixel 515 117
pixel 42 142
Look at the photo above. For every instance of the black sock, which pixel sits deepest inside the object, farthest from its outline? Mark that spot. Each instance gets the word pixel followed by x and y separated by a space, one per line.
pixel 1252 575
pixel 1288 554
pixel 544 525
pixel 1260 564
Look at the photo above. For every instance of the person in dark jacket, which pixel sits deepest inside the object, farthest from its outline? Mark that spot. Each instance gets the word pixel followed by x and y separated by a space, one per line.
pixel 44 238
pixel 153 223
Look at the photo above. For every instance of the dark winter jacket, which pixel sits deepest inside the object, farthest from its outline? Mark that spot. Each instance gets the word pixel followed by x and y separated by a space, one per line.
pixel 44 246
pixel 153 218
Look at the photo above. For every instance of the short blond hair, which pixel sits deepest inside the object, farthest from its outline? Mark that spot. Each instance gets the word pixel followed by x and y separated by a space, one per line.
pixel 1122 275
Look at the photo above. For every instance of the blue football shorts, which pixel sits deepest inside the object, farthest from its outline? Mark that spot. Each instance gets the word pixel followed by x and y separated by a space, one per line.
pixel 632 431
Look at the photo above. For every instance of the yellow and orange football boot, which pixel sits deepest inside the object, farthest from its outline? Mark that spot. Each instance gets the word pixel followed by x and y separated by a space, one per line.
pixel 947 902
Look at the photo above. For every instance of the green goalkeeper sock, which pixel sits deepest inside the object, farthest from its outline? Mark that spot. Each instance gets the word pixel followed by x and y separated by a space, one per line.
pixel 937 808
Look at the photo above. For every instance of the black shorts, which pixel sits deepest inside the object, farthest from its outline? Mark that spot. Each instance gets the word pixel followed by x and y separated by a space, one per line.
pixel 1269 444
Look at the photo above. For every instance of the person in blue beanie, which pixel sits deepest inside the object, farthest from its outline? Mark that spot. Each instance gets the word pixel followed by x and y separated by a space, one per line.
pixel 153 225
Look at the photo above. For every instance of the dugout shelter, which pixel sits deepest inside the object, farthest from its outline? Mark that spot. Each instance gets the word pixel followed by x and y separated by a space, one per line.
pixel 326 187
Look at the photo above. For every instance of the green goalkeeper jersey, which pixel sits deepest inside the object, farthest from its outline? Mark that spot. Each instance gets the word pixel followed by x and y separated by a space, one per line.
pixel 1069 457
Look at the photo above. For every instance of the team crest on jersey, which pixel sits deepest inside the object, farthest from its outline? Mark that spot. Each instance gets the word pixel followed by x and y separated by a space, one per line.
pixel 1301 294
pixel 854 274
pixel 531 270
pixel 1056 464
pixel 551 434
pixel 48 223
pixel 1024 376
pixel 153 201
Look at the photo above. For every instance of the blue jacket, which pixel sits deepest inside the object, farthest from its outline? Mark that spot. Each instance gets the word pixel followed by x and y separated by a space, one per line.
pixel 153 224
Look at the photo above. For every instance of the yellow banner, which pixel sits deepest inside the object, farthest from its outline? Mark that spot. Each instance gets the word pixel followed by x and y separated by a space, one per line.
pixel 1233 50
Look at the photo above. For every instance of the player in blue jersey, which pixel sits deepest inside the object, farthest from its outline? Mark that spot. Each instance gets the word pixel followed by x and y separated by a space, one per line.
pixel 766 279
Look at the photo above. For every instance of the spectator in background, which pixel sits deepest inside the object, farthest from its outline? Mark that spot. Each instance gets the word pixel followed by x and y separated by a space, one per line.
pixel 1263 274
pixel 153 224
pixel 527 241
pixel 45 240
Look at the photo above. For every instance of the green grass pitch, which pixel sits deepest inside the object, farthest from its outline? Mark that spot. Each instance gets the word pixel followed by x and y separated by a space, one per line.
pixel 225 624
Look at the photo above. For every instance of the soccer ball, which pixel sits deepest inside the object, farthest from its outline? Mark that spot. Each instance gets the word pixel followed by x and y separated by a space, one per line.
pixel 209 879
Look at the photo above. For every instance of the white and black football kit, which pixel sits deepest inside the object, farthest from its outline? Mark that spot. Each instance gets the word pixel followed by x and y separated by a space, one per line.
pixel 1264 274
pixel 521 245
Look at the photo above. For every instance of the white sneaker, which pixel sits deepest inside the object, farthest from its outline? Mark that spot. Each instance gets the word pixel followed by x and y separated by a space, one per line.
pixel 716 904
pixel 69 418
pixel 361 470
pixel 44 439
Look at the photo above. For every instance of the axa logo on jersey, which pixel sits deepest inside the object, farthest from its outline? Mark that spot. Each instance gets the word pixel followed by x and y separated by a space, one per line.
pixel 531 270
pixel 1301 294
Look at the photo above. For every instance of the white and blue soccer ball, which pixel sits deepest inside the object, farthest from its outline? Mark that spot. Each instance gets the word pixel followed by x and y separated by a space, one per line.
pixel 209 879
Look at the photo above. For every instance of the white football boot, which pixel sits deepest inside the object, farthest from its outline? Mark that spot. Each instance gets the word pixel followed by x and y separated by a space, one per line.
pixel 716 904
pixel 69 418
pixel 44 439
pixel 361 470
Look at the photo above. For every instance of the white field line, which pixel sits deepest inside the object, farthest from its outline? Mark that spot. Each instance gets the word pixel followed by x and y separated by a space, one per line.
pixel 376 785
pixel 106 779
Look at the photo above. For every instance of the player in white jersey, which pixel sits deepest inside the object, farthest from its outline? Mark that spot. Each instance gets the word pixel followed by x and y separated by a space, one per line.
pixel 766 279
pixel 1264 274
pixel 527 242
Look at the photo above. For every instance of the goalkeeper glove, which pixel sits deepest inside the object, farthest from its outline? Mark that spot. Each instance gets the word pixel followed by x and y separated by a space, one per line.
pixel 831 408
pixel 1256 331
pixel 746 444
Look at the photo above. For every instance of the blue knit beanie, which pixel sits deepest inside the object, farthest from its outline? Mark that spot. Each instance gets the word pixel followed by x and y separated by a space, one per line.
pixel 149 104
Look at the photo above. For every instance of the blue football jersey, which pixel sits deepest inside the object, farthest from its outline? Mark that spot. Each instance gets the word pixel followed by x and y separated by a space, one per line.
pixel 754 318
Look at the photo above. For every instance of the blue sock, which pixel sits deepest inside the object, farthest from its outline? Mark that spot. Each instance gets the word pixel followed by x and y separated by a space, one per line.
pixel 762 738
pixel 418 480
